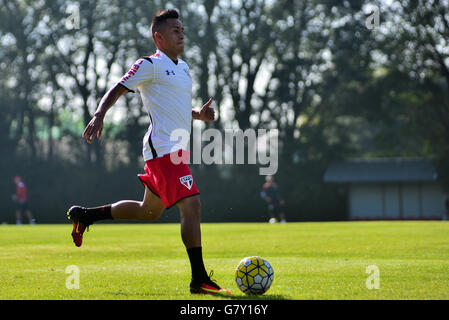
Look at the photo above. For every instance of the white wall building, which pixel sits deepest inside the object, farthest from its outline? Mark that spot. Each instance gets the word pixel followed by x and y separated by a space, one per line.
pixel 389 188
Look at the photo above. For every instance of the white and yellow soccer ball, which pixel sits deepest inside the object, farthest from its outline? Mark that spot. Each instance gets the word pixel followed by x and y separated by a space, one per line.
pixel 254 275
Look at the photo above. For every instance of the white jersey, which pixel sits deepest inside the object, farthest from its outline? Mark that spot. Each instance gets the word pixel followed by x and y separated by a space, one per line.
pixel 165 88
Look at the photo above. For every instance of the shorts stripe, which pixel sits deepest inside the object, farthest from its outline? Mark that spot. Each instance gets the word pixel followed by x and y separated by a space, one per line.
pixel 153 150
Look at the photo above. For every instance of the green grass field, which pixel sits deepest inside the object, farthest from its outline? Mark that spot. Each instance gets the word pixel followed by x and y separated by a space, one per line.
pixel 148 261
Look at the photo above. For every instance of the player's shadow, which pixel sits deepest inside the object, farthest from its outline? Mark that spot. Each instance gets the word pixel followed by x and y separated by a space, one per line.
pixel 218 296
pixel 254 297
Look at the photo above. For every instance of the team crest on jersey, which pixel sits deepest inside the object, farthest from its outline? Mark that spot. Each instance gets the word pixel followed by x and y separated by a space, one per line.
pixel 187 181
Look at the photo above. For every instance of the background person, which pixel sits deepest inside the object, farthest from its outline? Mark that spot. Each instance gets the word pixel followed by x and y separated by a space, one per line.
pixel 270 193
pixel 21 199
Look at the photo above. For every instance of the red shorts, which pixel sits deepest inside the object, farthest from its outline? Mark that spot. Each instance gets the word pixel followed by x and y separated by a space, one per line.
pixel 168 179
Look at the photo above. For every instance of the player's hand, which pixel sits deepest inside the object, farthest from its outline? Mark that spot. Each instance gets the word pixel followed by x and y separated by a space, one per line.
pixel 95 127
pixel 207 113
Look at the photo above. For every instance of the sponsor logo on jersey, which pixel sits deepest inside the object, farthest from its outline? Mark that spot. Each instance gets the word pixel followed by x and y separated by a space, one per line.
pixel 132 71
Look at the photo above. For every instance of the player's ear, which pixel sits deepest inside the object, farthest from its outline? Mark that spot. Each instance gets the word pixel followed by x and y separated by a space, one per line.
pixel 157 36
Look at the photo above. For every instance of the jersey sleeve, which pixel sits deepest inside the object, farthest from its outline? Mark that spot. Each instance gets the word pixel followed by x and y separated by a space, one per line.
pixel 142 71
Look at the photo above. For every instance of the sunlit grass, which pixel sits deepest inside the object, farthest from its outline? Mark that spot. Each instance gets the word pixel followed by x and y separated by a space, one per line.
pixel 148 261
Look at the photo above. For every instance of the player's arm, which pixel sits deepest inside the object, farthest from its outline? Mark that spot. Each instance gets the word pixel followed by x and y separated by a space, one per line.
pixel 142 71
pixel 95 126
pixel 207 113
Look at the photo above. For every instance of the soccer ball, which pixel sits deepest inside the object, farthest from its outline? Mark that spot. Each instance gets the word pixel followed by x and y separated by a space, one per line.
pixel 254 275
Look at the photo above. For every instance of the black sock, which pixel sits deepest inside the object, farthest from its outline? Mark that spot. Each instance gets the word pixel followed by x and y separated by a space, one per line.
pixel 100 213
pixel 196 263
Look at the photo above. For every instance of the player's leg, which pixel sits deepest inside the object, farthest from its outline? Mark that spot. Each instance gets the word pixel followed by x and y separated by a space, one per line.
pixel 30 217
pixel 27 212
pixel 190 211
pixel 281 212
pixel 282 216
pixel 19 216
pixel 271 212
pixel 149 209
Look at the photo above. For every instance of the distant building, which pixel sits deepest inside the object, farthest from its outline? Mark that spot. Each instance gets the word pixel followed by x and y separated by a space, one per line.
pixel 389 188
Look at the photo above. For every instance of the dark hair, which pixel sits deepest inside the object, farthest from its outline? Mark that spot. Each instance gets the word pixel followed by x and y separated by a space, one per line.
pixel 161 17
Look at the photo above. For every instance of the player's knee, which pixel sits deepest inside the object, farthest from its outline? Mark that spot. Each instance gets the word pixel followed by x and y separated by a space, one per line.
pixel 149 213
pixel 191 206
pixel 153 215
pixel 195 204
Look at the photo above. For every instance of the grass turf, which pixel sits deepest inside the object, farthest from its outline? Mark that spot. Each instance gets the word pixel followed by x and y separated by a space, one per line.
pixel 148 261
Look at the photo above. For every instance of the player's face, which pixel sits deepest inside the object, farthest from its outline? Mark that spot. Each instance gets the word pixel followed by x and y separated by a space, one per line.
pixel 173 36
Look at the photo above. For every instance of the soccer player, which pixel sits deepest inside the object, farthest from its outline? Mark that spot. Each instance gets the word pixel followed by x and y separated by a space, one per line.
pixel 21 197
pixel 164 83
pixel 270 193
